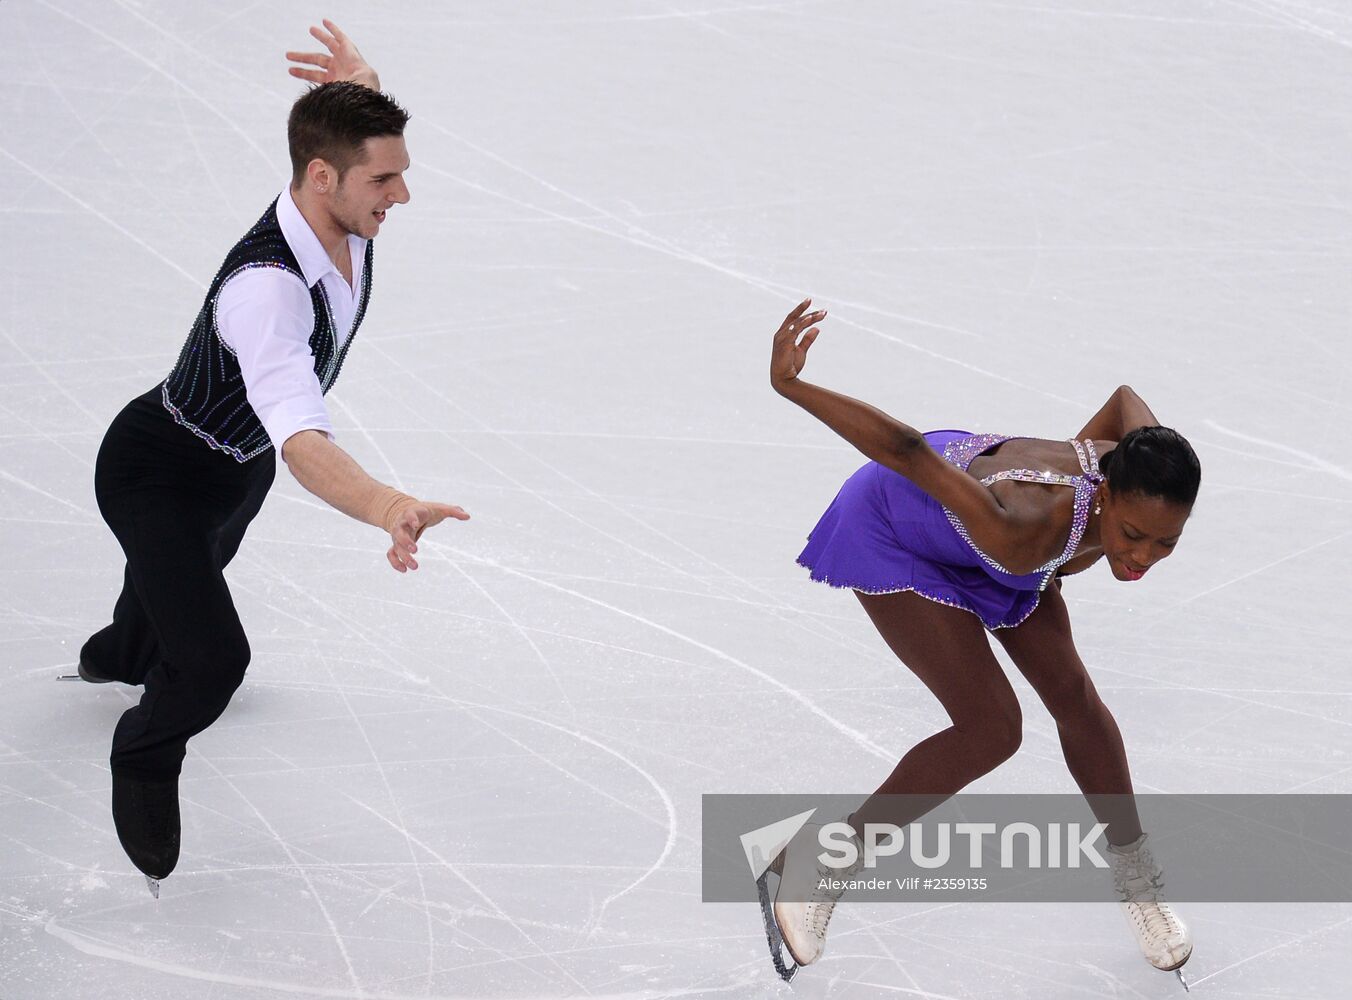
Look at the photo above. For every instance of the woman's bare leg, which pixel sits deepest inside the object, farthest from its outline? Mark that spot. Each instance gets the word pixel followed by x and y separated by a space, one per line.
pixel 1044 651
pixel 947 649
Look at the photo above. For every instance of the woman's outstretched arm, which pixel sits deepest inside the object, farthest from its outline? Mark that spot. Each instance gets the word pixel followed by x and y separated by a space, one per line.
pixel 1008 536
pixel 879 436
pixel 1124 412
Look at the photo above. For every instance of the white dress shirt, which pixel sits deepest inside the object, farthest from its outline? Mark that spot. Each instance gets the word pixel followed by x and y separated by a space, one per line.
pixel 264 316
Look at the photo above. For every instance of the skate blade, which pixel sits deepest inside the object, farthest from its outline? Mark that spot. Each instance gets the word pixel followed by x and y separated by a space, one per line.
pixel 1184 980
pixel 84 678
pixel 153 884
pixel 778 951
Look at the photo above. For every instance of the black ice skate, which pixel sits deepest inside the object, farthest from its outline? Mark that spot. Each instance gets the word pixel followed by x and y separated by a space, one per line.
pixel 147 820
pixel 83 673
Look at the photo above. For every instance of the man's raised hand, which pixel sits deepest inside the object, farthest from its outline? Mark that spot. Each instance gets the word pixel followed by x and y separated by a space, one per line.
pixel 341 62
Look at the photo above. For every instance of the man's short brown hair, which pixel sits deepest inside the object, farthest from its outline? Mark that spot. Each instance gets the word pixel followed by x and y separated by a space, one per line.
pixel 330 122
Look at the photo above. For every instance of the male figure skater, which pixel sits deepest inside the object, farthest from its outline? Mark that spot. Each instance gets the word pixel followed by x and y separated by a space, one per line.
pixel 185 467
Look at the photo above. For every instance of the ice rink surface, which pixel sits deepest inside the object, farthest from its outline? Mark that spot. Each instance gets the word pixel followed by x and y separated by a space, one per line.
pixel 483 780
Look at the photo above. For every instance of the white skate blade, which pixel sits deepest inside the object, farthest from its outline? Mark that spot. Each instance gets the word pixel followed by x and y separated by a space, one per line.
pixel 153 884
pixel 1184 980
pixel 784 964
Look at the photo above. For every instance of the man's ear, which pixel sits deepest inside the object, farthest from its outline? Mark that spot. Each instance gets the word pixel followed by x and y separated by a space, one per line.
pixel 321 176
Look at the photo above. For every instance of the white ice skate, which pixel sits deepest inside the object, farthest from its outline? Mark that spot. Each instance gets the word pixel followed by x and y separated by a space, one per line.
pixel 804 901
pixel 1160 932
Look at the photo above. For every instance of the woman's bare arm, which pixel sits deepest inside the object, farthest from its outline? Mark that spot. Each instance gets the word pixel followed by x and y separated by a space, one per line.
pixel 1124 412
pixel 1008 536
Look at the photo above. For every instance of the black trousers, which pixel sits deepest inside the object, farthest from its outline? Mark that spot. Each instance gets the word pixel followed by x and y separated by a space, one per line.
pixel 179 508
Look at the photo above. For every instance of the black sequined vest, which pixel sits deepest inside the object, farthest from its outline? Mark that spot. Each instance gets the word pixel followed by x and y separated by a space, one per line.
pixel 205 391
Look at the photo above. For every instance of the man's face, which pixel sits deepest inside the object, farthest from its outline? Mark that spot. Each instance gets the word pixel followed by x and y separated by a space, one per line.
pixel 371 186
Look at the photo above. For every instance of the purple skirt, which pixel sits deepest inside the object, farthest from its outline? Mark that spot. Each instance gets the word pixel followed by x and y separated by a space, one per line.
pixel 882 534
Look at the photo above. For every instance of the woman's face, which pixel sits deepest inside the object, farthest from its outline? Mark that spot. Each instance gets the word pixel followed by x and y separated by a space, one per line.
pixel 1138 531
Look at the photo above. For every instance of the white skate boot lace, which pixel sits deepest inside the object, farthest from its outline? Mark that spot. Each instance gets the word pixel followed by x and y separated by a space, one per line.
pixel 1139 883
pixel 824 897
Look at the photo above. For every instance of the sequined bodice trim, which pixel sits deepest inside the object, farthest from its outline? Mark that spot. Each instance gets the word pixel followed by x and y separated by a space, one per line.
pixel 962 451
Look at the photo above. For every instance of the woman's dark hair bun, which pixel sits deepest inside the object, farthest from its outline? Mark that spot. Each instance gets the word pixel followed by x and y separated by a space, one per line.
pixel 1154 462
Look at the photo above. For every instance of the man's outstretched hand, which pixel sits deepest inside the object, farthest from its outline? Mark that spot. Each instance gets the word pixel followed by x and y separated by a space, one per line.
pixel 409 526
pixel 341 62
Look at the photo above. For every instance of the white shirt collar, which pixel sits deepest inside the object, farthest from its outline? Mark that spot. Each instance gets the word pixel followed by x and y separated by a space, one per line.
pixel 310 254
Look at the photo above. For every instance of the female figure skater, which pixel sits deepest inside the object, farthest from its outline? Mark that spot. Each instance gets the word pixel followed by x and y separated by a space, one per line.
pixel 944 535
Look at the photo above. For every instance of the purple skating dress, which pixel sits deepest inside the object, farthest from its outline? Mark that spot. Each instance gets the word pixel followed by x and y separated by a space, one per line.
pixel 883 534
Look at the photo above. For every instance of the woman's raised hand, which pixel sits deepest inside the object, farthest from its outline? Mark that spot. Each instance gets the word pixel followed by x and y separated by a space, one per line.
pixel 789 354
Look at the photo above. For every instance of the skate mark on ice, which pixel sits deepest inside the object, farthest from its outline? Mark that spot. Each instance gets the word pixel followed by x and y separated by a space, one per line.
pixel 102 217
pixel 248 139
pixel 905 990
pixel 11 478
pixel 90 946
pixel 660 245
pixel 52 381
pixel 515 624
pixel 901 966
pixel 473 887
pixel 857 737
pixel 484 620
pixel 201 54
pixel 1267 951
pixel 423 905
pixel 303 872
pixel 395 480
pixel 42 433
pixel 1312 462
pixel 1316 780
pixel 667 803
pixel 423 697
pixel 55 84
pixel 356 720
pixel 958 948
pixel 1291 20
pixel 528 490
pixel 398 813
pixel 381 659
pixel 730 598
pixel 1220 489
pixel 790 615
pixel 1255 572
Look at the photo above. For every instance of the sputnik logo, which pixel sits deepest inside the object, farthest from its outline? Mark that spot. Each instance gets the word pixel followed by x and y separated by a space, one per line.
pixel 762 846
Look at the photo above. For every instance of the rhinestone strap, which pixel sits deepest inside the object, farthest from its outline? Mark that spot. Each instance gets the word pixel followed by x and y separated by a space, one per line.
pixel 1088 462
pixel 961 453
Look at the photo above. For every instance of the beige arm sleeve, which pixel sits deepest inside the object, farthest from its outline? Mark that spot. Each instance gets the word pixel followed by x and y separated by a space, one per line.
pixel 332 475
